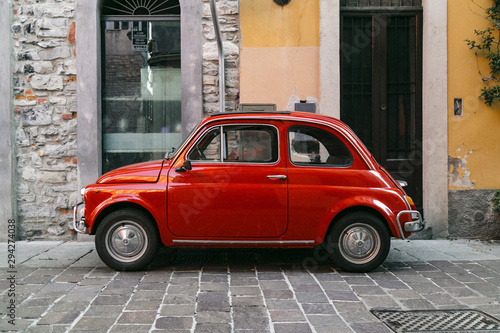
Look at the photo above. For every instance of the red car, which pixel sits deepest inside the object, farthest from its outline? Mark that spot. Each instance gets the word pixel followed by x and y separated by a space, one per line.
pixel 281 179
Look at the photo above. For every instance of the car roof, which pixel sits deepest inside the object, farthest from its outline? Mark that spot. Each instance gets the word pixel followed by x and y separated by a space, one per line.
pixel 282 115
pixel 300 116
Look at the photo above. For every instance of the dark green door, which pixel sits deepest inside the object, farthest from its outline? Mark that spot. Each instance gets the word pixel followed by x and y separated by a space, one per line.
pixel 381 89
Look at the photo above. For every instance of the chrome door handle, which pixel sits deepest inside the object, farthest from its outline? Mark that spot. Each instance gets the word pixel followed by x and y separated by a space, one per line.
pixel 282 177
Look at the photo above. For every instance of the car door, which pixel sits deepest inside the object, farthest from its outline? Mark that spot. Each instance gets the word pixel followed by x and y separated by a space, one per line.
pixel 322 171
pixel 237 185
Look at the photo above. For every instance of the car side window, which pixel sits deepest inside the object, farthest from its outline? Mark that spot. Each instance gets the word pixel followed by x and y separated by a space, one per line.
pixel 314 146
pixel 208 147
pixel 240 143
pixel 250 143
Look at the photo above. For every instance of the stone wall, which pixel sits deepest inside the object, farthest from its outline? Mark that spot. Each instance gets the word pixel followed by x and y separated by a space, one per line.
pixel 44 82
pixel 45 105
pixel 228 12
pixel 471 215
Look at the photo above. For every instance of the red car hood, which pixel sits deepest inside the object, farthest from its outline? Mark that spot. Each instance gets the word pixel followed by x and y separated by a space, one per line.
pixel 147 172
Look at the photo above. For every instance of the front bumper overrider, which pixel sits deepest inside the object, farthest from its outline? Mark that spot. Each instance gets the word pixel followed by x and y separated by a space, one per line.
pixel 79 223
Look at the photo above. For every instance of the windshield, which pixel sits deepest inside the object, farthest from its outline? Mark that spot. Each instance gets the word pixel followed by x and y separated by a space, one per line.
pixel 174 150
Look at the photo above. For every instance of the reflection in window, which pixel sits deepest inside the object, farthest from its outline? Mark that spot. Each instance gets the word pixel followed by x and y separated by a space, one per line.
pixel 245 143
pixel 141 91
pixel 250 144
pixel 314 146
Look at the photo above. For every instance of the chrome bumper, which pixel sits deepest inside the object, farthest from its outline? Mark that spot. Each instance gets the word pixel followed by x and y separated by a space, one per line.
pixel 79 225
pixel 416 224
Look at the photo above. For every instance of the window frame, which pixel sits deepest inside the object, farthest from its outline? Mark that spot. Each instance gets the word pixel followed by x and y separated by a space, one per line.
pixel 224 143
pixel 88 42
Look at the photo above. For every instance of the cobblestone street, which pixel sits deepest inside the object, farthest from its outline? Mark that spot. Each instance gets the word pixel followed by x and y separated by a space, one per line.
pixel 63 286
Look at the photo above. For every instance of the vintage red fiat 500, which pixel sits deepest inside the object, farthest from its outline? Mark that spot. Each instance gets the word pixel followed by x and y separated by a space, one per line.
pixel 282 179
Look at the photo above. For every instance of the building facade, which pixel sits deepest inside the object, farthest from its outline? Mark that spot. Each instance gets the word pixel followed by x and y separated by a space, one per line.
pixel 89 85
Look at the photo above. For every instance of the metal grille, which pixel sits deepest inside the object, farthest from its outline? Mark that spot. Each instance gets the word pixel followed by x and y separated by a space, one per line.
pixel 438 321
pixel 141 7
pixel 381 3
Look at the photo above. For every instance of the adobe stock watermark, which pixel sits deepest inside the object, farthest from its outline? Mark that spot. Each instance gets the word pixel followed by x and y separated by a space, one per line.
pixel 11 272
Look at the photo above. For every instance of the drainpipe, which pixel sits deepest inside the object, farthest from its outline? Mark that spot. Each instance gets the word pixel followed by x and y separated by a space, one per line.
pixel 220 47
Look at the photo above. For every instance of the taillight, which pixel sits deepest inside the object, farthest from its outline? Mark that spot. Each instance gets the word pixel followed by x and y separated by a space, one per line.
pixel 410 203
pixel 414 216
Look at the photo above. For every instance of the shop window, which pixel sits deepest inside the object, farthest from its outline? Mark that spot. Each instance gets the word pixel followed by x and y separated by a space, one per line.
pixel 141 88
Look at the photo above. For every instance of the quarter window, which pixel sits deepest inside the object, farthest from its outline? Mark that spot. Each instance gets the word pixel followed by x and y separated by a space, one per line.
pixel 208 147
pixel 314 146
pixel 238 143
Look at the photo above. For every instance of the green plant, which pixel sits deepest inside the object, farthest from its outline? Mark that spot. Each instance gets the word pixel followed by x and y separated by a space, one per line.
pixel 496 201
pixel 488 46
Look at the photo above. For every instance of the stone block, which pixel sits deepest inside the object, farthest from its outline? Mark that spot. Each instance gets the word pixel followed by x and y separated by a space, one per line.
pixel 63 150
pixel 28 174
pixel 54 53
pixel 57 100
pixel 229 7
pixel 57 10
pixel 51 177
pixel 37 115
pixel 34 211
pixel 47 82
pixel 55 231
pixel 72 104
pixel 62 201
pixel 24 102
pixel 49 43
pixel 28 28
pixel 28 55
pixel 209 80
pixel 210 50
pixel 16 27
pixel 54 27
pixel 70 67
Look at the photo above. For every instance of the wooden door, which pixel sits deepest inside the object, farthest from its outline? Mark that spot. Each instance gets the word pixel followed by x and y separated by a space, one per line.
pixel 381 75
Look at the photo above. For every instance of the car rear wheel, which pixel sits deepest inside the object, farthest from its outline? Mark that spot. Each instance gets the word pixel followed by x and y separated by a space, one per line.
pixel 358 242
pixel 127 240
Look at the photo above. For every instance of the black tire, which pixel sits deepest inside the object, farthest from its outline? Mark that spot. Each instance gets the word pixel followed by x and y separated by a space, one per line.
pixel 127 240
pixel 358 242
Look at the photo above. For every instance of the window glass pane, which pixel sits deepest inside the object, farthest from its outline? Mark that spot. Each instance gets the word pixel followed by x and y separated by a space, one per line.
pixel 207 148
pixel 141 91
pixel 314 146
pixel 356 80
pixel 257 144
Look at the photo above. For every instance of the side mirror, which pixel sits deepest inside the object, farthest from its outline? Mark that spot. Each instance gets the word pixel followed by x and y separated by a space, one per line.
pixel 185 167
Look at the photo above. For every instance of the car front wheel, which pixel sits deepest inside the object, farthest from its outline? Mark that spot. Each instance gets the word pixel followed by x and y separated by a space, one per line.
pixel 127 240
pixel 358 242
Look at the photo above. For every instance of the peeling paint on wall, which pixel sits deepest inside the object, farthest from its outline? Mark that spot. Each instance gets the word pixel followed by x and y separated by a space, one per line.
pixel 459 174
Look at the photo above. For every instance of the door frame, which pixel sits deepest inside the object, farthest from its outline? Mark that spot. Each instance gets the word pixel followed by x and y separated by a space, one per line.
pixel 434 99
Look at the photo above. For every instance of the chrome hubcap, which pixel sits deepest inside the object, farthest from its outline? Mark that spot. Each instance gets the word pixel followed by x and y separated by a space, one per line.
pixel 359 243
pixel 126 241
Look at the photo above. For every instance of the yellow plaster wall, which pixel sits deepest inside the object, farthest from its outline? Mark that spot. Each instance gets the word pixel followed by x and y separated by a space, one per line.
pixel 279 51
pixel 474 138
